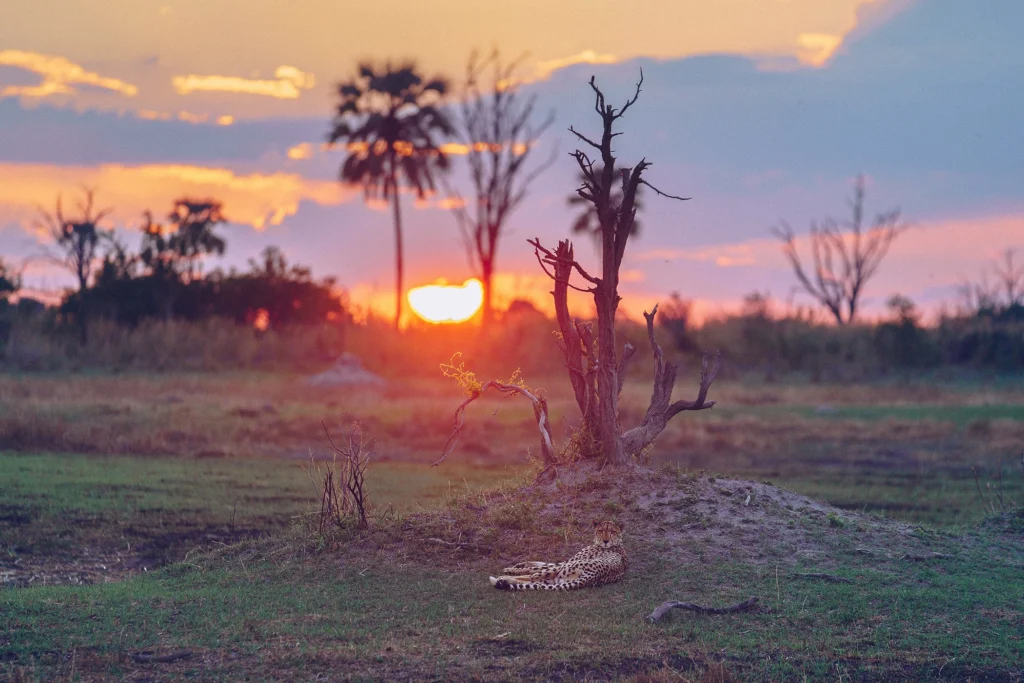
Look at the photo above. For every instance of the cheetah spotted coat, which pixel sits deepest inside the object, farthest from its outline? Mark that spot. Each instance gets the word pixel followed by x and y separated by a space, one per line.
pixel 602 562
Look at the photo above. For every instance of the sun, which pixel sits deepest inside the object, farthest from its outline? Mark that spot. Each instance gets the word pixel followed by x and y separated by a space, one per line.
pixel 443 303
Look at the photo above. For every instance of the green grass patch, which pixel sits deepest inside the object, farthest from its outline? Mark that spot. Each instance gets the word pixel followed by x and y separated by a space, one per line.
pixel 57 504
pixel 248 613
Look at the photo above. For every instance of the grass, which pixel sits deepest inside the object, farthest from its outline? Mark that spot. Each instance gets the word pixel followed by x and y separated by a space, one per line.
pixel 107 475
pixel 909 451
pixel 267 607
pixel 143 512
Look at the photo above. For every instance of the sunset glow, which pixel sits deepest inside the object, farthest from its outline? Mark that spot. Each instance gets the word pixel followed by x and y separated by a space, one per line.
pixel 442 303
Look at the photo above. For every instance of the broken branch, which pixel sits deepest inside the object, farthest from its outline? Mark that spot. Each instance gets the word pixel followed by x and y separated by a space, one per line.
pixel 831 578
pixel 666 607
pixel 540 411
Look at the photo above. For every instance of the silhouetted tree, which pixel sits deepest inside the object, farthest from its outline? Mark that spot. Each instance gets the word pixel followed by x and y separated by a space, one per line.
pixel 10 281
pixel 676 318
pixel 78 238
pixel 389 117
pixel 172 253
pixel 496 126
pixel 1010 277
pixel 845 255
pixel 587 222
pixel 595 372
pixel 194 221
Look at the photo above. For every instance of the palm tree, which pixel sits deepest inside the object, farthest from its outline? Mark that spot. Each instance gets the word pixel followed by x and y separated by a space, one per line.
pixel 587 221
pixel 388 117
pixel 193 237
pixel 173 256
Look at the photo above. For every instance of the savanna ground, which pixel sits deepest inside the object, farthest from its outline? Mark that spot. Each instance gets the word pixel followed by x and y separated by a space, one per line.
pixel 147 515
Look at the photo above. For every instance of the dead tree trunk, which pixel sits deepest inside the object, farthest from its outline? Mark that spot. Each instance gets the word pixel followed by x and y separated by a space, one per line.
pixel 597 374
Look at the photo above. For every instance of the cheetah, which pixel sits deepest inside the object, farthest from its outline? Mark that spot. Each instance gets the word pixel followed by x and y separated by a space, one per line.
pixel 602 562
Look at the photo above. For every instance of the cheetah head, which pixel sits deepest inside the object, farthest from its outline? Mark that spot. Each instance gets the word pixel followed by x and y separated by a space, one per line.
pixel 607 534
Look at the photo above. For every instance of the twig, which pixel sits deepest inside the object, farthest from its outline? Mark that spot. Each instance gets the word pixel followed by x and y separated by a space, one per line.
pixel 831 578
pixel 462 544
pixel 150 658
pixel 672 604
pixel 665 194
pixel 928 556
pixel 980 497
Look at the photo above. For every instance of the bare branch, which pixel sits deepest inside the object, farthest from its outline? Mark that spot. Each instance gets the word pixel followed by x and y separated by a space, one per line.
pixel 636 95
pixel 664 194
pixel 706 378
pixel 627 354
pixel 584 138
pixel 540 412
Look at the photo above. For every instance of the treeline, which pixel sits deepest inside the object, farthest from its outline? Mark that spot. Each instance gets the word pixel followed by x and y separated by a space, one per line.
pixel 163 277
pixel 987 337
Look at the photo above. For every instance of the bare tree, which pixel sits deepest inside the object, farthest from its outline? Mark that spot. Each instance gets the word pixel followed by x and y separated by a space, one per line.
pixel 1004 290
pixel 10 281
pixel 596 374
pixel 845 255
pixel 1011 279
pixel 78 239
pixel 497 127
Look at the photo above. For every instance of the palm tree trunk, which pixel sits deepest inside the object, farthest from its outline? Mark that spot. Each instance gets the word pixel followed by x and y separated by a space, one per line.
pixel 399 264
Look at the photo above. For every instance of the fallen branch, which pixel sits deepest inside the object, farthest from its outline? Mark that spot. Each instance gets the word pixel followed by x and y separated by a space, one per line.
pixel 672 604
pixel 463 544
pixel 831 578
pixel 150 658
pixel 927 556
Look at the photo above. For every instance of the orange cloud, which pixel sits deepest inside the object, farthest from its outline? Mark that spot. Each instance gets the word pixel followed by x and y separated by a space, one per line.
pixel 286 85
pixel 189 117
pixel 546 68
pixel 815 49
pixel 151 115
pixel 255 199
pixel 186 116
pixel 59 75
pixel 301 151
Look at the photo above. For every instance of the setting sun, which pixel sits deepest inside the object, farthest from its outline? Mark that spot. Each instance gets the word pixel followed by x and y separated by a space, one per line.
pixel 443 303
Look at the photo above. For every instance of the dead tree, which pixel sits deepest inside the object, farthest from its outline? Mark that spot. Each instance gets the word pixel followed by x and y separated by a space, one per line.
pixel 845 255
pixel 78 240
pixel 496 126
pixel 1004 291
pixel 1011 279
pixel 595 370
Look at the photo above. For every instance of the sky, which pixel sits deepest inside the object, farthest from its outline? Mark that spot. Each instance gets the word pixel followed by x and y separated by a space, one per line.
pixel 762 111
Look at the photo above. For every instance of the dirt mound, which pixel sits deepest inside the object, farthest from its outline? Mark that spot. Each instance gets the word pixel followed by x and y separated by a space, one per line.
pixel 346 371
pixel 689 517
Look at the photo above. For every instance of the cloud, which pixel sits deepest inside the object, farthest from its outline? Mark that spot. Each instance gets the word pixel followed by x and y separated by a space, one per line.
pixel 815 49
pixel 256 199
pixel 546 68
pixel 287 83
pixel 59 76
pixel 724 255
pixel 301 151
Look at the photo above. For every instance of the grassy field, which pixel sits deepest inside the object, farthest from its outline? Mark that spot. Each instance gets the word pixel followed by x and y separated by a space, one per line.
pixel 108 478
pixel 856 599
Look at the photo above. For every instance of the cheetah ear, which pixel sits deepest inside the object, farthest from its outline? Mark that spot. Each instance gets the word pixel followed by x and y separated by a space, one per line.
pixel 622 526
pixel 596 523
